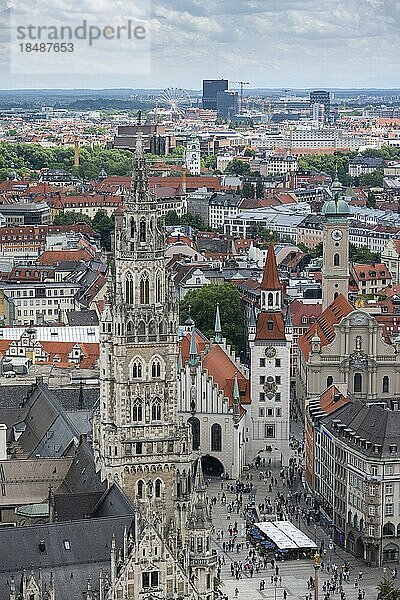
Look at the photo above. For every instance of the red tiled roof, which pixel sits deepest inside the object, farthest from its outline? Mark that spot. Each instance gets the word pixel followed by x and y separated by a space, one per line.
pixel 55 257
pixel 270 326
pixel 270 280
pixel 298 310
pixel 222 369
pixel 332 399
pixel 371 271
pixel 324 326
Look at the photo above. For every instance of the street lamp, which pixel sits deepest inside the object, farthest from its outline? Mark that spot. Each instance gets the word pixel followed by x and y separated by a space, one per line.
pixel 316 575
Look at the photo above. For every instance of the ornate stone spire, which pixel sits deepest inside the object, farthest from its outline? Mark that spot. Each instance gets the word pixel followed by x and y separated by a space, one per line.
pixel 193 348
pixel 217 327
pixel 199 517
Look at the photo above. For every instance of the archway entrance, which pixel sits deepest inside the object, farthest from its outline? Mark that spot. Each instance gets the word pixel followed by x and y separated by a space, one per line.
pixel 360 548
pixel 211 465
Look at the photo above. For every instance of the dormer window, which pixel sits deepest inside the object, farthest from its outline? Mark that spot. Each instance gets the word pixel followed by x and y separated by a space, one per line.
pixel 270 325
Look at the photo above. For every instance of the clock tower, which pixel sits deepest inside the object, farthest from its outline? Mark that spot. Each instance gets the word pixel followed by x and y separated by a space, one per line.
pixel 192 161
pixel 270 374
pixel 335 270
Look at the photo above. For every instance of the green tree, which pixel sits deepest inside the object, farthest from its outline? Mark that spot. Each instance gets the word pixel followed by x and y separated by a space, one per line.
pixel 209 162
pixel 104 226
pixel 247 190
pixel 371 200
pixel 374 179
pixel 70 218
pixel 171 218
pixel 315 252
pixel 202 305
pixel 195 221
pixel 237 167
pixel 259 188
pixel 249 152
pixel 387 590
pixel 362 255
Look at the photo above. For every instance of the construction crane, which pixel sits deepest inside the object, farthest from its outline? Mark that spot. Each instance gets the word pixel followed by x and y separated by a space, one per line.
pixel 242 84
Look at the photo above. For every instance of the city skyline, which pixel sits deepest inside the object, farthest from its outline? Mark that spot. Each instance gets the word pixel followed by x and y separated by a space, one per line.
pixel 290 43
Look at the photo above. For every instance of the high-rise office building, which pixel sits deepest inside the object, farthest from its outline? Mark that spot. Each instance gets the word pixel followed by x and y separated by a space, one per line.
pixel 324 98
pixel 211 87
pixel 227 104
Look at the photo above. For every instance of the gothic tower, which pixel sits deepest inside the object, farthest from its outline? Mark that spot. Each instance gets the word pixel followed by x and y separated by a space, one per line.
pixel 137 441
pixel 270 372
pixel 202 559
pixel 335 270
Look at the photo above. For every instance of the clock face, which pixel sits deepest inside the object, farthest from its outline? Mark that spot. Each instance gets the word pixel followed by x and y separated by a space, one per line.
pixel 270 352
pixel 337 235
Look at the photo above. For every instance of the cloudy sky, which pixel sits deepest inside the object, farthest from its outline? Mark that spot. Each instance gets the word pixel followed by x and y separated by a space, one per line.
pixel 270 43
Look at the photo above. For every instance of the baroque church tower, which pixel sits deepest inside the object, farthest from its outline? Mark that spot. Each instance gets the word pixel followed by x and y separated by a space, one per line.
pixel 138 442
pixel 335 270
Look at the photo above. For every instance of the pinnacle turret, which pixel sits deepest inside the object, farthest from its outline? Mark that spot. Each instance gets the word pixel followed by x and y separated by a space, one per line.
pixel 217 327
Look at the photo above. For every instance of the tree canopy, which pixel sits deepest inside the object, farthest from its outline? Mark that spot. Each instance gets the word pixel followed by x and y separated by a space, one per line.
pixel 101 223
pixel 202 304
pixel 237 167
pixel 362 255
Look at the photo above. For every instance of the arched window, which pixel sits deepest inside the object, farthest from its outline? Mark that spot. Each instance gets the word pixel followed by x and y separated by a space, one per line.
pixel 142 230
pixel 329 381
pixel 158 288
pixel 133 228
pixel 335 295
pixel 357 382
pixel 137 370
pixel 195 425
pixel 216 437
pixel 141 329
pixel 144 289
pixel 162 331
pixel 140 489
pixel 129 289
pixel 157 488
pixel 137 410
pixel 156 369
pixel 129 329
pixel 385 385
pixel 152 331
pixel 156 410
pixel 336 260
pixel 389 529
pixel 270 299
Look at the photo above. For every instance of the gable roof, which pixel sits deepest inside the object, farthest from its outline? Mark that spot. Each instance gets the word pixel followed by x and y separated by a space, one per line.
pixel 324 325
pixel 270 326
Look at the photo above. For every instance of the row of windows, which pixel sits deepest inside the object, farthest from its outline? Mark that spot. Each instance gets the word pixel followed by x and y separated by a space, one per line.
pixel 138 369
pixel 216 435
pixel 278 362
pixel 137 410
pixel 269 412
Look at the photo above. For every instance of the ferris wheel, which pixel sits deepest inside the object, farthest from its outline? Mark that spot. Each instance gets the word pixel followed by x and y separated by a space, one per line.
pixel 174 100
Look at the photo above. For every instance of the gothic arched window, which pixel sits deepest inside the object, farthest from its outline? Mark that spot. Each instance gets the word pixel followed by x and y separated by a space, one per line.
pixel 137 370
pixel 144 289
pixel 129 329
pixel 270 299
pixel 133 228
pixel 142 230
pixel 156 369
pixel 158 287
pixel 385 385
pixel 357 382
pixel 137 410
pixel 129 289
pixel 141 329
pixel 152 331
pixel 195 425
pixel 156 410
pixel 162 331
pixel 157 488
pixel 140 488
pixel 336 260
pixel 216 437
